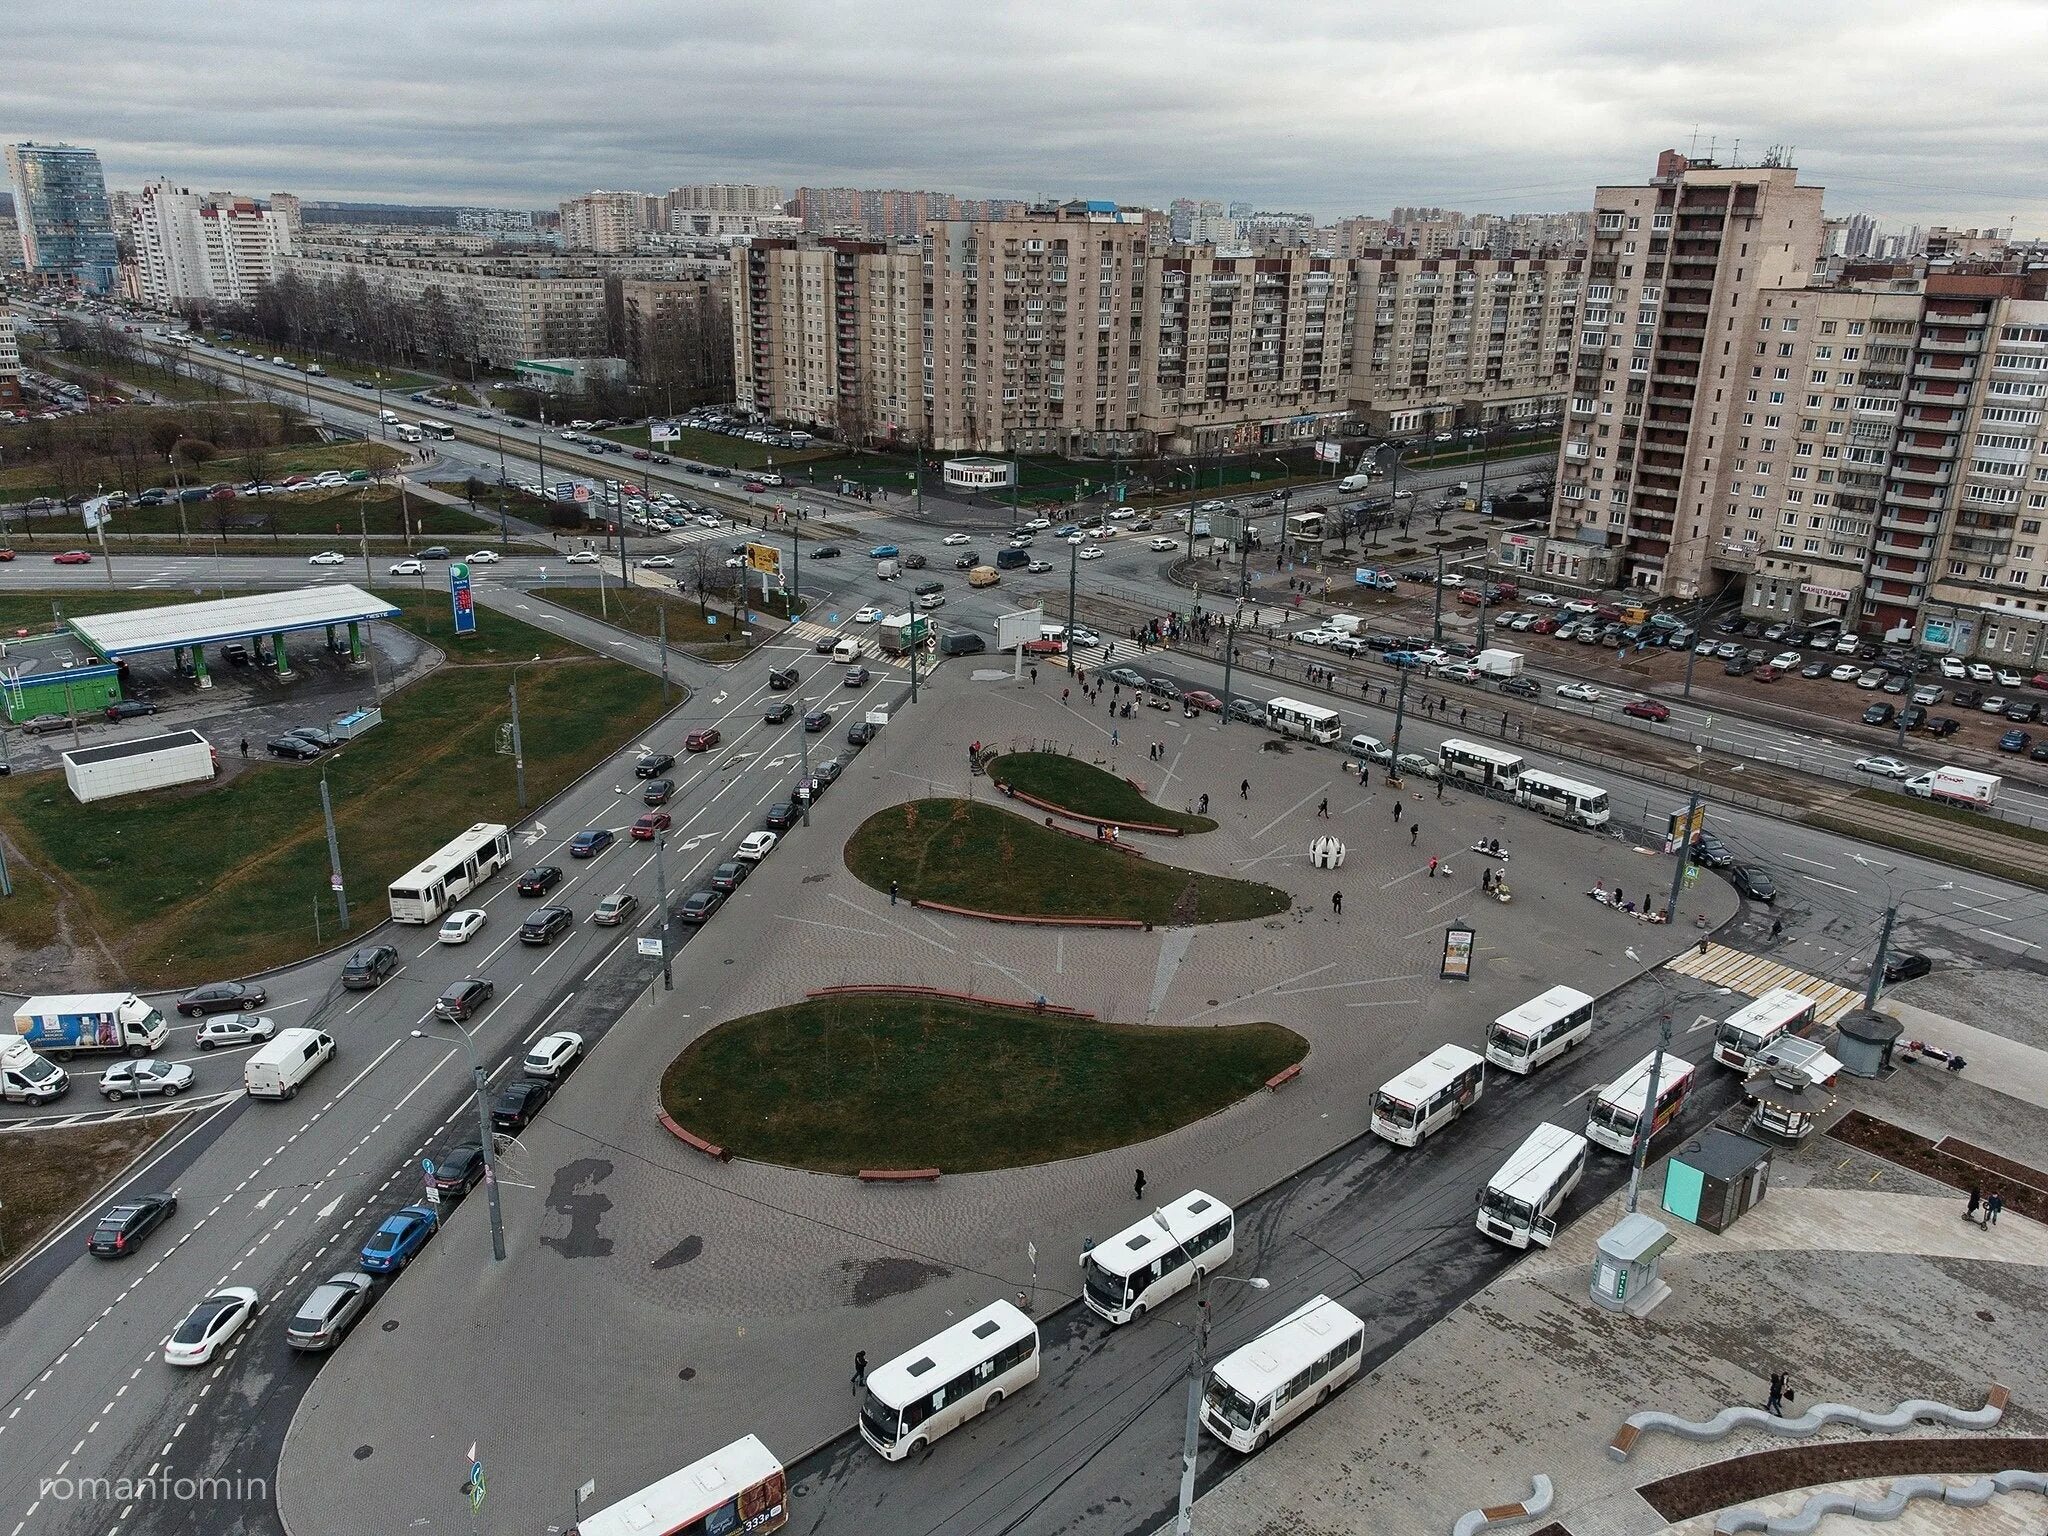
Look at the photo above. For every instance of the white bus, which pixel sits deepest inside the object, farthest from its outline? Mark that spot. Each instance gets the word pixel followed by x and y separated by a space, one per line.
pixel 741 1488
pixel 1291 717
pixel 406 432
pixel 1158 1257
pixel 439 431
pixel 1547 1025
pixel 425 893
pixel 1744 1036
pixel 1255 1392
pixel 945 1381
pixel 1612 1120
pixel 1520 1203
pixel 1479 764
pixel 1432 1093
pixel 1569 800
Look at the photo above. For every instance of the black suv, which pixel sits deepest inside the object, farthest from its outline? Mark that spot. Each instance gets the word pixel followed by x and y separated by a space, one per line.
pixel 779 712
pixel 295 747
pixel 221 997
pixel 459 1169
pixel 369 966
pixel 652 764
pixel 543 923
pixel 127 1222
pixel 518 1102
pixel 539 880
pixel 782 815
pixel 782 679
pixel 460 999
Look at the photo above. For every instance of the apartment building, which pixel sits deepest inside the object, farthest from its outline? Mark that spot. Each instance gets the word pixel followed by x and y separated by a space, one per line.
pixel 1667 359
pixel 823 334
pixel 725 197
pixel 287 206
pixel 605 222
pixel 677 332
pixel 193 248
pixel 10 361
pixel 1442 341
pixel 61 208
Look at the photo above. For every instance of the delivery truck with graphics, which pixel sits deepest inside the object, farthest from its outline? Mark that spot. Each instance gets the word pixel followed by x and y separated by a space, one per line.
pixel 1956 786
pixel 63 1025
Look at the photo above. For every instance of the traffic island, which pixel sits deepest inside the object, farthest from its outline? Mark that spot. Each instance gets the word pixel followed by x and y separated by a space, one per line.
pixel 847 1084
pixel 962 854
pixel 1083 792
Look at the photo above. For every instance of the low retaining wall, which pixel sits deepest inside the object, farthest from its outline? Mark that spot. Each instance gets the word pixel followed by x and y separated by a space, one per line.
pixel 886 989
pixel 1100 821
pixel 1041 922
pixel 691 1138
pixel 1096 839
pixel 899 1175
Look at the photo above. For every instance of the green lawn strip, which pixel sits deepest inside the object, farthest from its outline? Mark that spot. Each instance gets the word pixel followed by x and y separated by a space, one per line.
pixel 840 1084
pixel 23 480
pixel 340 514
pixel 968 854
pixel 717 448
pixel 52 1173
pixel 635 609
pixel 127 376
pixel 1962 816
pixel 1091 791
pixel 395 379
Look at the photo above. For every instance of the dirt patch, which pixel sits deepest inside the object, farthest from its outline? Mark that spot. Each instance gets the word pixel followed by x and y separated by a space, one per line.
pixel 51 1173
pixel 1741 1479
pixel 1924 1156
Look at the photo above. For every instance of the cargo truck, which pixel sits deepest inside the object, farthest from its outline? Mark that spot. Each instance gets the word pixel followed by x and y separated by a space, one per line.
pixel 1956 786
pixel 146 762
pixel 895 633
pixel 26 1078
pixel 1498 665
pixel 64 1024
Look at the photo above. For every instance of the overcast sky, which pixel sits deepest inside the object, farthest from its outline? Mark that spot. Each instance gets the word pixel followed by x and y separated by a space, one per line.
pixel 1915 112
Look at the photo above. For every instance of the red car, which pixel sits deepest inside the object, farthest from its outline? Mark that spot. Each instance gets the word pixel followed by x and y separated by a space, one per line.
pixel 642 455
pixel 700 741
pixel 1646 709
pixel 1470 597
pixel 644 827
pixel 753 485
pixel 6 554
pixel 1201 698
pixel 71 557
pixel 1047 647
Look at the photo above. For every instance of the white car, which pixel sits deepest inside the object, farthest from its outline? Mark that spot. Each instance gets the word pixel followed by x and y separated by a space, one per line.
pixel 1121 514
pixel 2007 678
pixel 1085 638
pixel 1459 672
pixel 1039 567
pixel 1847 644
pixel 583 557
pixel 867 616
pixel 706 520
pixel 1848 671
pixel 1952 666
pixel 1091 552
pixel 327 557
pixel 461 927
pixel 1037 524
pixel 484 557
pixel 956 538
pixel 1450 579
pixel 166 1078
pixel 1317 636
pixel 408 568
pixel 1542 599
pixel 932 600
pixel 1585 693
pixel 553 1055
pixel 235 1029
pixel 211 1324
pixel 1788 661
pixel 1980 672
pixel 754 847
pixel 1077 538
pixel 1883 767
pixel 1164 544
pixel 658 563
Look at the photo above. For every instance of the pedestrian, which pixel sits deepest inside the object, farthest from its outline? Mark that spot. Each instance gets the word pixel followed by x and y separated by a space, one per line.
pixel 1244 789
pixel 1383 693
pixel 1323 810
pixel 1461 716
pixel 860 1369
pixel 1204 806
pixel 1439 789
pixel 1063 696
pixel 892 893
pixel 1776 1403
pixel 245 747
pixel 1976 1199
pixel 1397 811
pixel 1432 866
pixel 1138 1186
pixel 1992 1207
pixel 1364 775
pixel 1034 673
pixel 1414 831
pixel 1337 903
pixel 1112 736
pixel 1777 926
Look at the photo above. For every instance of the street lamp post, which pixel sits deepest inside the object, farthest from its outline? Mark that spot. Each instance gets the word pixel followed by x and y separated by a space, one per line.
pixel 1184 1517
pixel 488 1137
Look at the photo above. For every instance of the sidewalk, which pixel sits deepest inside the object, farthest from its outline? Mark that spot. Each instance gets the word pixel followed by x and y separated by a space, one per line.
pixel 2005 1065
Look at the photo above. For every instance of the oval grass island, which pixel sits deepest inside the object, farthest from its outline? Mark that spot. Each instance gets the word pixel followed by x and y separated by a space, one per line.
pixel 969 854
pixel 1082 789
pixel 838 1084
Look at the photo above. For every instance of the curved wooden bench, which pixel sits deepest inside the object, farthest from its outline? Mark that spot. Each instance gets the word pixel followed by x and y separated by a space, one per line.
pixel 1042 922
pixel 1285 1076
pixel 899 1175
pixel 1101 821
pixel 692 1139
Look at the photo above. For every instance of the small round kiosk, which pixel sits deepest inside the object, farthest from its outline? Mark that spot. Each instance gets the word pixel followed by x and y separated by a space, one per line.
pixel 1866 1043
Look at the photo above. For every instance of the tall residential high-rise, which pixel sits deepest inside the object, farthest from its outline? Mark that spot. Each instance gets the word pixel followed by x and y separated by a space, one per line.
pixel 1668 357
pixel 725 197
pixel 605 222
pixel 60 203
pixel 286 206
pixel 192 248
pixel 10 360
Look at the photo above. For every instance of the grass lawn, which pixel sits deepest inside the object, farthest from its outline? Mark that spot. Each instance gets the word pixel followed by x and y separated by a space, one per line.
pixel 51 1173
pixel 717 448
pixel 975 855
pixel 250 861
pixel 341 514
pixel 136 374
pixel 336 368
pixel 1961 815
pixel 23 480
pixel 838 1084
pixel 1077 786
pixel 636 609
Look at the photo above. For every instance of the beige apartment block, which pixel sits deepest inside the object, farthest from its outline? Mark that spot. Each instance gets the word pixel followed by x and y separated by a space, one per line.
pixel 608 222
pixel 1665 360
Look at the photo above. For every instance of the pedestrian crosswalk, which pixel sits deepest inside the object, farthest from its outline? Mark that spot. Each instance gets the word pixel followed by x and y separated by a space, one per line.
pixel 809 632
pixel 1722 966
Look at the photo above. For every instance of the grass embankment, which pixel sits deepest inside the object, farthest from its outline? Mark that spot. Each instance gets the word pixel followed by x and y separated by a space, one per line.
pixel 220 879
pixel 1087 790
pixel 969 854
pixel 717 448
pixel 50 1174
pixel 639 610
pixel 1962 816
pixel 346 514
pixel 395 380
pixel 26 476
pixel 838 1084
pixel 125 376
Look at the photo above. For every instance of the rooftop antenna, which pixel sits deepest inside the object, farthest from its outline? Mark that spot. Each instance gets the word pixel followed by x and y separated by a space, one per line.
pixel 1735 153
pixel 1693 150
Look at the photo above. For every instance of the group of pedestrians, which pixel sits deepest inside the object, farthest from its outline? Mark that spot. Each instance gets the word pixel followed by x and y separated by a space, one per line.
pixel 1990 1205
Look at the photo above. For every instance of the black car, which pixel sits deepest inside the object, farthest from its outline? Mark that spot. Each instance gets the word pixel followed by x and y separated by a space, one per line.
pixel 784 678
pixel 1943 725
pixel 967 561
pixel 730 875
pixel 369 966
pixel 856 677
pixel 1753 883
pixel 462 998
pixel 1709 850
pixel 518 1102
pixel 927 588
pixel 859 734
pixel 817 720
pixel 782 815
pixel 1905 967
pixel 653 764
pixel 825 552
pixel 827 773
pixel 126 1223
pixel 778 712
pixel 221 997
pixel 543 923
pixel 539 880
pixel 658 792
pixel 295 747
pixel 825 646
pixel 129 709
pixel 1521 687
pixel 590 842
pixel 1913 716
pixel 698 906
pixel 1879 714
pixel 459 1169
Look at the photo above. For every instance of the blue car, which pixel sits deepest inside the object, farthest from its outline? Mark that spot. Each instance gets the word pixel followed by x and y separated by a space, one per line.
pixel 1068 531
pixel 883 552
pixel 2015 741
pixel 395 1244
pixel 1403 659
pixel 589 844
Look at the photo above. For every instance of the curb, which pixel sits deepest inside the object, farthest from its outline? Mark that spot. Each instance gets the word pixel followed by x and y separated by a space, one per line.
pixel 899 1175
pixel 1101 821
pixel 1041 922
pixel 691 1139
pixel 886 989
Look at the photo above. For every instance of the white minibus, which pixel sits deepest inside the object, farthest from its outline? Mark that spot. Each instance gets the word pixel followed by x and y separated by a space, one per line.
pixel 1612 1119
pixel 1569 800
pixel 1745 1035
pixel 1297 1364
pixel 1477 763
pixel 1520 1203
pixel 1292 717
pixel 938 1386
pixel 1430 1094
pixel 1548 1025
pixel 740 1488
pixel 1158 1257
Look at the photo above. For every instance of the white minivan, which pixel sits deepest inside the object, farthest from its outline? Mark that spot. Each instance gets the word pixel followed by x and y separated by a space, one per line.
pixel 846 650
pixel 277 1068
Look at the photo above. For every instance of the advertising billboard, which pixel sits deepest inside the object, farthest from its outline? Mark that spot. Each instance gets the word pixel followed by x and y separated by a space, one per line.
pixel 765 558
pixel 459 595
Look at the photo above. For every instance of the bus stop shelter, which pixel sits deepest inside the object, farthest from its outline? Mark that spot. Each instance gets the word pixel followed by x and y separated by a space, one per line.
pixel 187 629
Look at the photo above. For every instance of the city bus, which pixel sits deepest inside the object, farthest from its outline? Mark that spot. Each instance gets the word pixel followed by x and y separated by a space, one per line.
pixel 406 432
pixel 1432 1093
pixel 1520 1203
pixel 1547 1025
pixel 1158 1257
pixel 933 1389
pixel 424 893
pixel 739 1489
pixel 1744 1036
pixel 439 431
pixel 1488 767
pixel 1569 800
pixel 1612 1119
pixel 1291 717
pixel 1297 1364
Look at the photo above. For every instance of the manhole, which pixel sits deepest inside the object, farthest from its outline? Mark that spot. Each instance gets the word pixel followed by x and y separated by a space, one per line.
pixel 1986 1317
pixel 687 1373
pixel 391 1325
pixel 362 1453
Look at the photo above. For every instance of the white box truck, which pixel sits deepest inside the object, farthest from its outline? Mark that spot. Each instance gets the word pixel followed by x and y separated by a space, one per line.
pixel 26 1078
pixel 146 762
pixel 64 1024
pixel 1498 665
pixel 1956 786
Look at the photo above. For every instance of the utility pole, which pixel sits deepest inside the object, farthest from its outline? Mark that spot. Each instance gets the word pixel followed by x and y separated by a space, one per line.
pixel 1436 622
pixel 918 508
pixel 803 747
pixel 1692 812
pixel 668 980
pixel 1647 1118
pixel 1692 651
pixel 661 622
pixel 916 642
pixel 1016 481
pixel 333 852
pixel 1073 582
pixel 489 1138
pixel 518 747
pixel 1400 716
pixel 1884 939
pixel 1229 656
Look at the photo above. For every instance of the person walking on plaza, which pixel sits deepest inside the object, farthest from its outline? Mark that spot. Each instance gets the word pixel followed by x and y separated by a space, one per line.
pixel 1976 1199
pixel 1439 789
pixel 1138 1186
pixel 892 893
pixel 1323 810
pixel 1775 1404
pixel 1432 866
pixel 1397 812
pixel 860 1368
pixel 1337 903
pixel 1244 789
pixel 1414 831
pixel 1992 1207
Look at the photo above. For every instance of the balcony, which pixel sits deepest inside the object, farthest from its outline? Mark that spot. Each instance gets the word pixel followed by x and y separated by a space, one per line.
pixel 1960 373
pixel 1902 549
pixel 1916 474
pixel 1920 394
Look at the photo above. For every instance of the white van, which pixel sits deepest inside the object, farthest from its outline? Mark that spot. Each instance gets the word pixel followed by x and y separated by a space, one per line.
pixel 1358 482
pixel 277 1069
pixel 847 650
